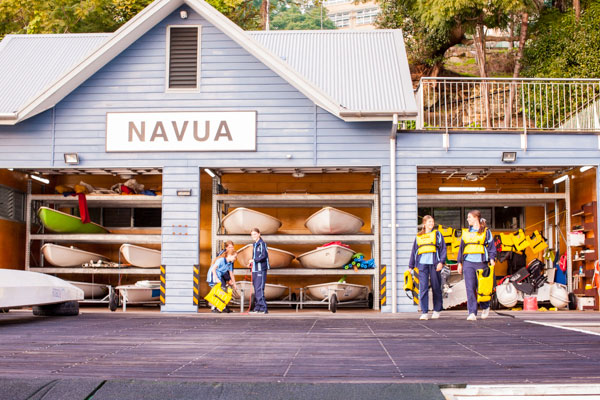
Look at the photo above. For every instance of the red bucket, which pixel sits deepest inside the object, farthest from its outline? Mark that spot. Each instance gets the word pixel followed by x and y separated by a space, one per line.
pixel 530 303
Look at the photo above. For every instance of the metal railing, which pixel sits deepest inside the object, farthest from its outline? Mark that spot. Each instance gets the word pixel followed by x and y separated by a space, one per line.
pixel 508 104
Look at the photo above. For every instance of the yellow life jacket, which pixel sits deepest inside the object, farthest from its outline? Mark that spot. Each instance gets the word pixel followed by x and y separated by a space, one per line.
pixel 474 241
pixel 454 248
pixel 538 243
pixel 507 241
pixel 485 283
pixel 411 284
pixel 426 242
pixel 447 233
pixel 520 240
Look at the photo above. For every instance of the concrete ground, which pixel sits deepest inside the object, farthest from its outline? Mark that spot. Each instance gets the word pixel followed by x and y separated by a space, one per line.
pixel 286 354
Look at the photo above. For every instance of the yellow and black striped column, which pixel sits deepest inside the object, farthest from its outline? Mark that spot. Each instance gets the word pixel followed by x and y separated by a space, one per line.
pixel 382 281
pixel 196 284
pixel 163 284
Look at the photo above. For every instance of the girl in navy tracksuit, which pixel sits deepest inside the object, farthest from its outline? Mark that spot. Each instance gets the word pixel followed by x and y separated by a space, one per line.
pixel 260 265
pixel 477 249
pixel 429 255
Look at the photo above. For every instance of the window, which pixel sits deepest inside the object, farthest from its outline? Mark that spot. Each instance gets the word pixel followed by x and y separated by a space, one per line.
pixel 332 2
pixel 498 218
pixel 184 51
pixel 340 19
pixel 366 16
pixel 12 204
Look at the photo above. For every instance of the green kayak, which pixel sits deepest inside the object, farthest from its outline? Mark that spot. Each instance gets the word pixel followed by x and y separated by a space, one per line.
pixel 61 222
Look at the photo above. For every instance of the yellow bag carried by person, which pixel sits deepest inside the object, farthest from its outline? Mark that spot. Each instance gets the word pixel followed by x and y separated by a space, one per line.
pixel 219 297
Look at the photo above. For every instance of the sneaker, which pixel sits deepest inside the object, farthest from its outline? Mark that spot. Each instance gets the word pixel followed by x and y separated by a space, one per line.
pixel 436 315
pixel 424 317
pixel 263 312
pixel 472 317
pixel 253 312
pixel 485 313
pixel 227 310
pixel 215 311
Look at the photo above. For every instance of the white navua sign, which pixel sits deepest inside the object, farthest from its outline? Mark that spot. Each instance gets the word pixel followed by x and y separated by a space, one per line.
pixel 181 131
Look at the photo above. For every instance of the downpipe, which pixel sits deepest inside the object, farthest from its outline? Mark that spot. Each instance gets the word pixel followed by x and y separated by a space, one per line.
pixel 393 135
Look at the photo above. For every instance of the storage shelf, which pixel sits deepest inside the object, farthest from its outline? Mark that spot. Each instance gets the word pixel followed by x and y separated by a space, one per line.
pixel 75 270
pixel 310 271
pixel 99 238
pixel 104 200
pixel 300 239
pixel 296 200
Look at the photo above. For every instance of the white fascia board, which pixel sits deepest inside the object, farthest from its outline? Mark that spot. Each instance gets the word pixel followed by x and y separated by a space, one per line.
pixel 121 39
pixel 264 55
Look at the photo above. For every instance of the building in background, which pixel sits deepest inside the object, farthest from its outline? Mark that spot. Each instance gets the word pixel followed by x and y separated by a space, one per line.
pixel 346 14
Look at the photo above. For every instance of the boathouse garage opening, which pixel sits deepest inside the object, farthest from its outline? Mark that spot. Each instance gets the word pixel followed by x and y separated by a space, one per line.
pixel 554 201
pixel 292 195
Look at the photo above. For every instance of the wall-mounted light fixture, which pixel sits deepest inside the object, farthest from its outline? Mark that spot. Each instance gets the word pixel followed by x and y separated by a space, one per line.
pixel 210 172
pixel 561 179
pixel 585 168
pixel 298 174
pixel 184 192
pixel 40 179
pixel 509 156
pixel 71 158
pixel 461 189
pixel 183 14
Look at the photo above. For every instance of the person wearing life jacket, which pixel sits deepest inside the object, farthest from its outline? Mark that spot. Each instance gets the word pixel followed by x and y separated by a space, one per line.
pixel 429 255
pixel 477 249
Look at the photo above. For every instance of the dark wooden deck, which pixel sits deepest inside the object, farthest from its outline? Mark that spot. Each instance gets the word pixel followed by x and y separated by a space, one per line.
pixel 295 348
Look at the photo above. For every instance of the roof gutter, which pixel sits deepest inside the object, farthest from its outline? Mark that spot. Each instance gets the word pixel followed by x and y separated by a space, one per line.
pixel 396 114
pixel 7 116
pixel 393 135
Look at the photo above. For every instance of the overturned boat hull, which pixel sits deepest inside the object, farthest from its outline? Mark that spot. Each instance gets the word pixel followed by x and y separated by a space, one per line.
pixel 242 220
pixel 25 288
pixel 277 258
pixel 343 291
pixel 91 290
pixel 62 256
pixel 141 257
pixel 331 221
pixel 141 292
pixel 333 256
pixel 272 292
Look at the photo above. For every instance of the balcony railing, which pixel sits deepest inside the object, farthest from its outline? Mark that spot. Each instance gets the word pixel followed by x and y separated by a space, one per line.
pixel 507 104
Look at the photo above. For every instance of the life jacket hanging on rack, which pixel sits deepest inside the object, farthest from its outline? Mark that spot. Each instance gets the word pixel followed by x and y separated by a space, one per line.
pixel 485 284
pixel 538 242
pixel 521 241
pixel 447 233
pixel 474 241
pixel 426 242
pixel 507 242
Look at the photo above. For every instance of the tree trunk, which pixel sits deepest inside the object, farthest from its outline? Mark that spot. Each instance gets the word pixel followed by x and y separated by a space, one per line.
pixel 480 50
pixel 264 15
pixel 517 70
pixel 577 7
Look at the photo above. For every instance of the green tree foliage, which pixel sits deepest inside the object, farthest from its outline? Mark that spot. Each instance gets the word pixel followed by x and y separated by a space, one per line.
pixel 75 16
pixel 292 18
pixel 559 47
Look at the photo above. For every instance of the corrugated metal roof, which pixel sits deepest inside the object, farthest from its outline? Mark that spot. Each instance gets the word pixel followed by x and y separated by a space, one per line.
pixel 30 63
pixel 363 70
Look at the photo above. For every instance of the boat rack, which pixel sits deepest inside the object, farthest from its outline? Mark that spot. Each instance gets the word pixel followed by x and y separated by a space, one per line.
pixel 222 202
pixel 298 302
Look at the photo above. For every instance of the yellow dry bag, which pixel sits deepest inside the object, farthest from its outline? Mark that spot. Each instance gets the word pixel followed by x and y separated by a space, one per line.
pixel 411 284
pixel 485 284
pixel 219 297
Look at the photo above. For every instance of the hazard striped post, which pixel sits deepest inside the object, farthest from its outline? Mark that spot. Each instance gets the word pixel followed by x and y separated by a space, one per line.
pixel 163 284
pixel 382 282
pixel 196 284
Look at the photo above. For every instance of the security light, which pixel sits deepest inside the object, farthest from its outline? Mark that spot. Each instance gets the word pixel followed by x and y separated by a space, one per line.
pixel 71 158
pixel 509 156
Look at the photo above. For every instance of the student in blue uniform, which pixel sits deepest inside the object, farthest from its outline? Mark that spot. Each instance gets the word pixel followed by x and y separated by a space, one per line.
pixel 429 255
pixel 259 264
pixel 211 278
pixel 477 249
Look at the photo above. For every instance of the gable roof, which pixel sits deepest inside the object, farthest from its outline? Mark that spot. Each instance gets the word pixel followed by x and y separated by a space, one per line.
pixel 50 90
pixel 363 70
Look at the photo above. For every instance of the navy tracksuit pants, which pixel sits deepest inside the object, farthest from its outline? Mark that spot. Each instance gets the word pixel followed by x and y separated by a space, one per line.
pixel 428 273
pixel 470 275
pixel 259 279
